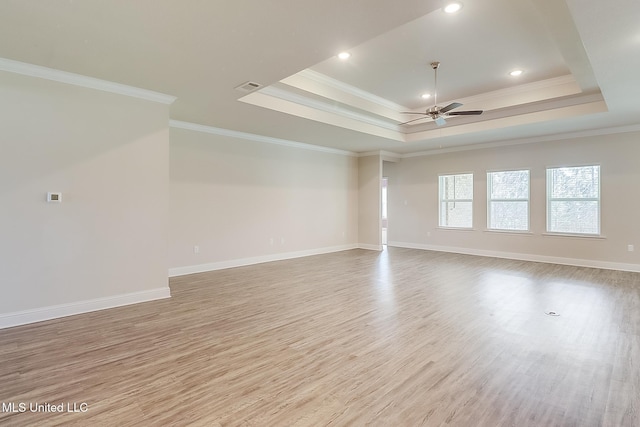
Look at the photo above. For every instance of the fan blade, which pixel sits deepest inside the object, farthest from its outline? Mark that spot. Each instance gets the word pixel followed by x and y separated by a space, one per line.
pixel 419 118
pixel 412 112
pixel 450 107
pixel 465 113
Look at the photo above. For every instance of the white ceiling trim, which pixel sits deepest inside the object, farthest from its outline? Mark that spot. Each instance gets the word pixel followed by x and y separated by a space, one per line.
pixel 588 104
pixel 177 124
pixel 531 103
pixel 338 92
pixel 317 83
pixel 542 90
pixel 387 156
pixel 324 106
pixel 261 99
pixel 38 71
pixel 344 87
pixel 546 138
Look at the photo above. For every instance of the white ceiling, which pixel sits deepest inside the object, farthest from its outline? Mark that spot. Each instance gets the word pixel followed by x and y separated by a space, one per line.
pixel 581 60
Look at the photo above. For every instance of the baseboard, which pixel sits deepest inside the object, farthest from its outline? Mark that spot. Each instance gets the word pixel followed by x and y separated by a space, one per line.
pixel 55 311
pixel 221 265
pixel 370 247
pixel 522 257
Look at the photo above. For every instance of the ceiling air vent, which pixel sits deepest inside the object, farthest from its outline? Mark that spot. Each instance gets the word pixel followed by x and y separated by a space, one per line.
pixel 248 87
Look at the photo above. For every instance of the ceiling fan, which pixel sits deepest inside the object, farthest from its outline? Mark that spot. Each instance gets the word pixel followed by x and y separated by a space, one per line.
pixel 436 113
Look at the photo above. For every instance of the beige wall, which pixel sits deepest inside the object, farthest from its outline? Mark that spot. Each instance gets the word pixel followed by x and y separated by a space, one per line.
pixel 369 193
pixel 239 200
pixel 129 194
pixel 413 201
pixel 108 155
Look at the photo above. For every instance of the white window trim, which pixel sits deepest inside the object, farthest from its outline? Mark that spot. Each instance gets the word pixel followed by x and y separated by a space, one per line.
pixel 598 199
pixel 528 200
pixel 441 200
pixel 500 231
pixel 444 227
pixel 575 235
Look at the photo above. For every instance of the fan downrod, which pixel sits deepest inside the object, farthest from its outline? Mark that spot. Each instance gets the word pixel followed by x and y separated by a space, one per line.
pixel 436 113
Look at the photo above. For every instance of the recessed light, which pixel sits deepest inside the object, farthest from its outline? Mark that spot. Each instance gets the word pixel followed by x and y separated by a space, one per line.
pixel 344 55
pixel 516 73
pixel 452 7
pixel 425 96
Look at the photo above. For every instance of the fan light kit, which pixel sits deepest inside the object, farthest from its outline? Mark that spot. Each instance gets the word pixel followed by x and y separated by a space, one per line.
pixel 436 113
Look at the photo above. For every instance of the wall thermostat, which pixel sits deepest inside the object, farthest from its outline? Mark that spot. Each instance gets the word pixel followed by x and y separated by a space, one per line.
pixel 54 197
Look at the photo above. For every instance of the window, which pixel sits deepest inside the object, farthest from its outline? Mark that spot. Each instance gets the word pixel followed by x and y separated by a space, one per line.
pixel 573 200
pixel 508 200
pixel 456 200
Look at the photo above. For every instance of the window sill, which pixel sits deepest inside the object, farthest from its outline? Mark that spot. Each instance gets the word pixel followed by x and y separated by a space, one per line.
pixel 455 228
pixel 578 236
pixel 522 232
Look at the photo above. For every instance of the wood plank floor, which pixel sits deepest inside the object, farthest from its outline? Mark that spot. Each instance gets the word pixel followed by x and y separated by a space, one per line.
pixel 398 338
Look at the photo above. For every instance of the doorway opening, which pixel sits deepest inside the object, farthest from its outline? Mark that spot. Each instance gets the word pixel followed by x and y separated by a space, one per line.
pixel 383 204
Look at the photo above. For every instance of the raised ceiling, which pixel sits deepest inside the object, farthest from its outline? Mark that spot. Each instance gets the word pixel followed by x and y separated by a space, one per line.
pixel 580 60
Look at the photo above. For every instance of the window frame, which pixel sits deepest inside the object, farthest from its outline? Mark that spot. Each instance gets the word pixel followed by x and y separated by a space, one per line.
pixel 441 200
pixel 597 199
pixel 528 200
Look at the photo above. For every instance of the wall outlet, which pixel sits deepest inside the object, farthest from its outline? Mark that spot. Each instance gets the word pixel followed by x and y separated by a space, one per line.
pixel 271 240
pixel 196 249
pixel 428 234
pixel 630 248
pixel 282 240
pixel 54 197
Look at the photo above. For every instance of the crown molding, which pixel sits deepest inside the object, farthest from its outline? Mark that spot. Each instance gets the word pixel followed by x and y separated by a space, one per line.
pixel 531 140
pixel 527 93
pixel 532 87
pixel 177 124
pixel 392 155
pixel 535 86
pixel 385 155
pixel 362 112
pixel 260 99
pixel 352 90
pixel 369 153
pixel 60 76
pixel 326 107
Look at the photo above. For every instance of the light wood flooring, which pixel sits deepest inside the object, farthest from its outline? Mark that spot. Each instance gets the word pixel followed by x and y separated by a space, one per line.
pixel 399 338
